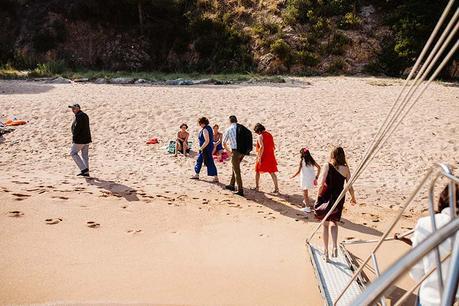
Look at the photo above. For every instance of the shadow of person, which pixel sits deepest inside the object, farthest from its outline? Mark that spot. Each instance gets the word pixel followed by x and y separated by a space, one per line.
pixel 280 204
pixel 295 199
pixel 359 227
pixel 117 190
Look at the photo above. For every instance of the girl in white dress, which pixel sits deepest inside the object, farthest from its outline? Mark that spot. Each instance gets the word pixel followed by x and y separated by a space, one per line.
pixel 308 177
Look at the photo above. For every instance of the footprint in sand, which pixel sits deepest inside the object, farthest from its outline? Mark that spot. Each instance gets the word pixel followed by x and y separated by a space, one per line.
pixel 60 197
pixel 134 231
pixel 15 214
pixel 20 183
pixel 33 189
pixel 52 221
pixel 92 224
pixel 21 195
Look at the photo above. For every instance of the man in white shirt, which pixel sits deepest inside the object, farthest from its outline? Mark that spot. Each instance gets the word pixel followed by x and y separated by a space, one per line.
pixel 230 143
pixel 429 293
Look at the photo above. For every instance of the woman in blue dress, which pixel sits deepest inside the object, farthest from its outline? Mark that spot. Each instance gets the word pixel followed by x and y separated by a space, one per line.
pixel 206 147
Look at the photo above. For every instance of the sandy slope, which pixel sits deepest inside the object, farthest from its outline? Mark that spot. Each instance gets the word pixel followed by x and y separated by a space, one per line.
pixel 197 244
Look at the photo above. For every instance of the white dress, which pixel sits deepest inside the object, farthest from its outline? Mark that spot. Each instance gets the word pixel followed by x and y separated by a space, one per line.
pixel 307 176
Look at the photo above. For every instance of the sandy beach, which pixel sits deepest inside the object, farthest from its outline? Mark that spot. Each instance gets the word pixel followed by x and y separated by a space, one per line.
pixel 165 239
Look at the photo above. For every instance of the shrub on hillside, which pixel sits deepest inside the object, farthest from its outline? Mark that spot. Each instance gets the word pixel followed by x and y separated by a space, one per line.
pixel 337 44
pixel 350 21
pixel 307 58
pixel 266 28
pixel 303 11
pixel 296 11
pixel 336 66
pixel 281 49
pixel 221 48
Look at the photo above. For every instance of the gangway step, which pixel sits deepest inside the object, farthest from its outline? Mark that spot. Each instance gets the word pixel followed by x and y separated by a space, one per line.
pixel 333 277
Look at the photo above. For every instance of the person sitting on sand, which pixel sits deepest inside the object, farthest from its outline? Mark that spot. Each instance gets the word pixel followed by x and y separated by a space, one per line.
pixel 81 139
pixel 335 173
pixel 266 160
pixel 181 143
pixel 206 147
pixel 308 177
pixel 218 147
pixel 429 291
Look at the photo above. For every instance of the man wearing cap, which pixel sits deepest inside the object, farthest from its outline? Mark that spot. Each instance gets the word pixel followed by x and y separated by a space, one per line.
pixel 81 140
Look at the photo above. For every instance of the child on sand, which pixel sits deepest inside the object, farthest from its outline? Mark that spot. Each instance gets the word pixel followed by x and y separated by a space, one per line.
pixel 181 144
pixel 308 178
pixel 218 148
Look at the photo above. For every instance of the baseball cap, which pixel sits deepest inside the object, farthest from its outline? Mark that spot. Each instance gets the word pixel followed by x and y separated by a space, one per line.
pixel 74 105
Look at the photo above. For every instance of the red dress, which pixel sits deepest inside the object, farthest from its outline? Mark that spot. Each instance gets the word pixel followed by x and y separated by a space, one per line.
pixel 268 161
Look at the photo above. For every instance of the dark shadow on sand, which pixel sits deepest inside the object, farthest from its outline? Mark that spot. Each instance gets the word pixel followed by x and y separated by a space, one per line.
pixel 359 227
pixel 23 87
pixel 278 203
pixel 117 190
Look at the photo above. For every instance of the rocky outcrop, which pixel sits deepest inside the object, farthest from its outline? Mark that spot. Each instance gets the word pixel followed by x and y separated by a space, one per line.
pixel 59 80
pixel 122 81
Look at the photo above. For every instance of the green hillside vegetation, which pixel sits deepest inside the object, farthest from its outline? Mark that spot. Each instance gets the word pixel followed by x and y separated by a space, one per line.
pixel 300 37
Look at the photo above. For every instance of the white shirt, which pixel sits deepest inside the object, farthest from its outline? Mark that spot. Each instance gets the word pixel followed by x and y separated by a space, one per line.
pixel 429 293
pixel 230 136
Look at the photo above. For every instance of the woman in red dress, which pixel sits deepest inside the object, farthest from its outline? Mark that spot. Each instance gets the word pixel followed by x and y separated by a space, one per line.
pixel 266 161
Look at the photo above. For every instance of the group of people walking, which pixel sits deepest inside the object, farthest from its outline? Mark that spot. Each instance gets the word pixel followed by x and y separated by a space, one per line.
pixel 335 173
pixel 237 141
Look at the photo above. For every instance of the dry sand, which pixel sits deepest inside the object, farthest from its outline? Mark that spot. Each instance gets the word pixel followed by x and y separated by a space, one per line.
pixel 164 239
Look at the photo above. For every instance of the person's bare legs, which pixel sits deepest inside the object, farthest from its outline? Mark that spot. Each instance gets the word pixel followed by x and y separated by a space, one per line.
pixel 185 148
pixel 334 234
pixel 257 181
pixel 177 147
pixel 306 198
pixel 276 186
pixel 325 237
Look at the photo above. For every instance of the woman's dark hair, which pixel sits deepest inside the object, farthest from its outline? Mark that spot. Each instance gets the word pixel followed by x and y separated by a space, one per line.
pixel 216 126
pixel 443 201
pixel 184 125
pixel 203 120
pixel 337 157
pixel 307 157
pixel 259 128
pixel 233 119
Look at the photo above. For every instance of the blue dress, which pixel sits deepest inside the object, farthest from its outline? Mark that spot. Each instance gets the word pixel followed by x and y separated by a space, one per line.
pixel 206 155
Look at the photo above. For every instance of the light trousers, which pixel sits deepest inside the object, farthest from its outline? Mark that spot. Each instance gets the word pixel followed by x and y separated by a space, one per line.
pixel 83 161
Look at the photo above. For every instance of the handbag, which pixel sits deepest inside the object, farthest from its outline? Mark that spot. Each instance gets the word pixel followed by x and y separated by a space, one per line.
pixel 320 207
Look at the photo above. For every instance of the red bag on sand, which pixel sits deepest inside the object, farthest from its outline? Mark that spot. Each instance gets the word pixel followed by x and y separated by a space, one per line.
pixel 153 141
pixel 10 122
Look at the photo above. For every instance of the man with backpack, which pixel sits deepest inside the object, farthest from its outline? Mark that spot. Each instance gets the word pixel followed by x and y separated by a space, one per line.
pixel 240 142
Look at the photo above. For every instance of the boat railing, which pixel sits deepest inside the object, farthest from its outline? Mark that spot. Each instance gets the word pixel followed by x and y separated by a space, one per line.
pixel 374 293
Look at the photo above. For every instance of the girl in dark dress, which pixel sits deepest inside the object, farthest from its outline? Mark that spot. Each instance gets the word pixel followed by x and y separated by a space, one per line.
pixel 335 174
pixel 206 147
